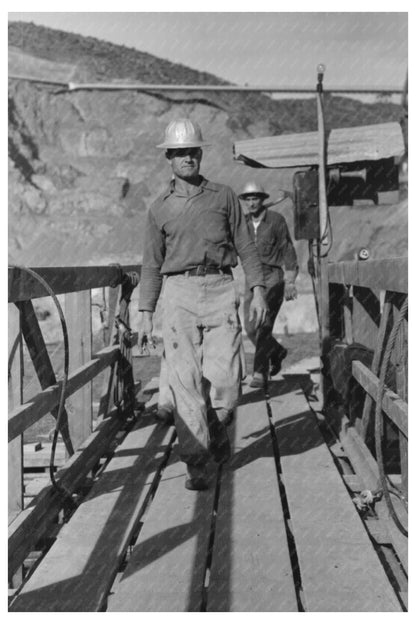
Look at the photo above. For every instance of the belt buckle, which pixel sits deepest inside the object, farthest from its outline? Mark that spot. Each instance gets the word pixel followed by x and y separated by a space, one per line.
pixel 201 270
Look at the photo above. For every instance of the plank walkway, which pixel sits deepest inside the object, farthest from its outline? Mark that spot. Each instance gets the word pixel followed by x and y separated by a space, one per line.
pixel 276 531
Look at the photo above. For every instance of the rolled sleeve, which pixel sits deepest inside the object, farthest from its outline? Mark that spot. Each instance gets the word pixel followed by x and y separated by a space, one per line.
pixel 289 253
pixel 153 257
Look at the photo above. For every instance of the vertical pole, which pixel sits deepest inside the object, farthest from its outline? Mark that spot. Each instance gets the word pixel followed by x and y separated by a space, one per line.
pixel 79 404
pixel 15 448
pixel 15 457
pixel 323 240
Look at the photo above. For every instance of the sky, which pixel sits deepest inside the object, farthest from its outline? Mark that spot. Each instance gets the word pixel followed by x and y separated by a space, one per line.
pixel 359 49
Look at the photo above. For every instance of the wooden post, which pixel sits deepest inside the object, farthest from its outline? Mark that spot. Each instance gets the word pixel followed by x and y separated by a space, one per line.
pixel 375 366
pixel 366 317
pixel 41 361
pixel 15 457
pixel 336 311
pixel 106 399
pixel 15 448
pixel 323 239
pixel 399 358
pixel 79 405
pixel 347 306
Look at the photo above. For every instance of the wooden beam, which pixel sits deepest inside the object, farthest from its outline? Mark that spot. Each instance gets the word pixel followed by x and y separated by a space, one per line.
pixel 79 569
pixel 41 362
pixel 365 316
pixel 345 145
pixel 34 522
pixel 79 407
pixel 375 366
pixel 394 407
pixel 365 466
pixel 25 415
pixel 15 454
pixel 387 274
pixel 107 397
pixel 23 286
pixel 400 361
pixel 339 567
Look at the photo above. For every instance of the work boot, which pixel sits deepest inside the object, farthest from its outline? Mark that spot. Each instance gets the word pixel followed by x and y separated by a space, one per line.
pixel 276 362
pixel 197 477
pixel 164 415
pixel 257 381
pixel 229 418
pixel 220 444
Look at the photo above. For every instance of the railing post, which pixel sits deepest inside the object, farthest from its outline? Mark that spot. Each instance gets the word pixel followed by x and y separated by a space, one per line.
pixel 15 465
pixel 79 405
pixel 15 448
pixel 366 316
pixel 399 359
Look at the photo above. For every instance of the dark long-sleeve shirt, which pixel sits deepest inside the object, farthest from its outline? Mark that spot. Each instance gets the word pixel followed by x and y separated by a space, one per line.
pixel 182 232
pixel 273 241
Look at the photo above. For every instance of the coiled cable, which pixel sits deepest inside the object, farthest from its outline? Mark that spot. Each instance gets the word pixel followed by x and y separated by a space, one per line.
pixel 57 486
pixel 378 419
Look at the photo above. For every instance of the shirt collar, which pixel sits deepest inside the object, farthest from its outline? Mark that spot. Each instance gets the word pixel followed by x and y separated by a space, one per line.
pixel 262 216
pixel 205 184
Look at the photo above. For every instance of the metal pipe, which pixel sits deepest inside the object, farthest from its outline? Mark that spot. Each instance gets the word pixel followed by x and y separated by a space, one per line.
pixel 323 205
pixel 138 86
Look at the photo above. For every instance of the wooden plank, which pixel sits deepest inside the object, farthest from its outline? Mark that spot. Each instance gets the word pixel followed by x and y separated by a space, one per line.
pixel 30 525
pixel 15 457
pixel 23 286
pixel 40 458
pixel 366 316
pixel 79 407
pixel 339 568
pixel 30 412
pixel 77 572
pixel 386 274
pixel 251 568
pixel 167 567
pixel 394 407
pixel 345 145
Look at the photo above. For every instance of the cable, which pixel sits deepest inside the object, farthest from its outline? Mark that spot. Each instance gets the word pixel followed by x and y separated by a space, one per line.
pixel 378 420
pixel 57 486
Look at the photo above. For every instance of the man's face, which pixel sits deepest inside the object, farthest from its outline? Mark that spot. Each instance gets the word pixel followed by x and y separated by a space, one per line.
pixel 254 204
pixel 185 162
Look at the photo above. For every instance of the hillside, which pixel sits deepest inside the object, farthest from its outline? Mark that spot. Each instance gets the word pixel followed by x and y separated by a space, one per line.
pixel 83 167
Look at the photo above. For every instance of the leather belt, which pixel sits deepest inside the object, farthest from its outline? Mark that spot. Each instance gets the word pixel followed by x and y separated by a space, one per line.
pixel 203 269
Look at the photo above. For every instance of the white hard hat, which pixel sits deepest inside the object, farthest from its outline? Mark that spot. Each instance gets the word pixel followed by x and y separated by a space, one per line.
pixel 253 188
pixel 182 133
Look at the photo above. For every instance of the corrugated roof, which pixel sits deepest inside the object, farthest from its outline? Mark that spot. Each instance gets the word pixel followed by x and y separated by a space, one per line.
pixel 345 145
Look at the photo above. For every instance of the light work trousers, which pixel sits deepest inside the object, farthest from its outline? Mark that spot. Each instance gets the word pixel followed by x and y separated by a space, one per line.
pixel 204 360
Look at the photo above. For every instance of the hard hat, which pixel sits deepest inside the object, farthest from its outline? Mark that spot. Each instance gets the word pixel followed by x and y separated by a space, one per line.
pixel 182 133
pixel 253 188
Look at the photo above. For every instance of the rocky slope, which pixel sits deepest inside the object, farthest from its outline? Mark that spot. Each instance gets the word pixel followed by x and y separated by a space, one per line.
pixel 83 166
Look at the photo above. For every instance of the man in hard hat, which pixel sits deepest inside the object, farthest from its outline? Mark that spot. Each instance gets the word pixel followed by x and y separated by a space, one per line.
pixel 278 256
pixel 193 233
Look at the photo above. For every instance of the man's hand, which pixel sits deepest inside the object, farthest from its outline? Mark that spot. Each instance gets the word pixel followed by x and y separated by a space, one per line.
pixel 145 338
pixel 258 307
pixel 290 291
